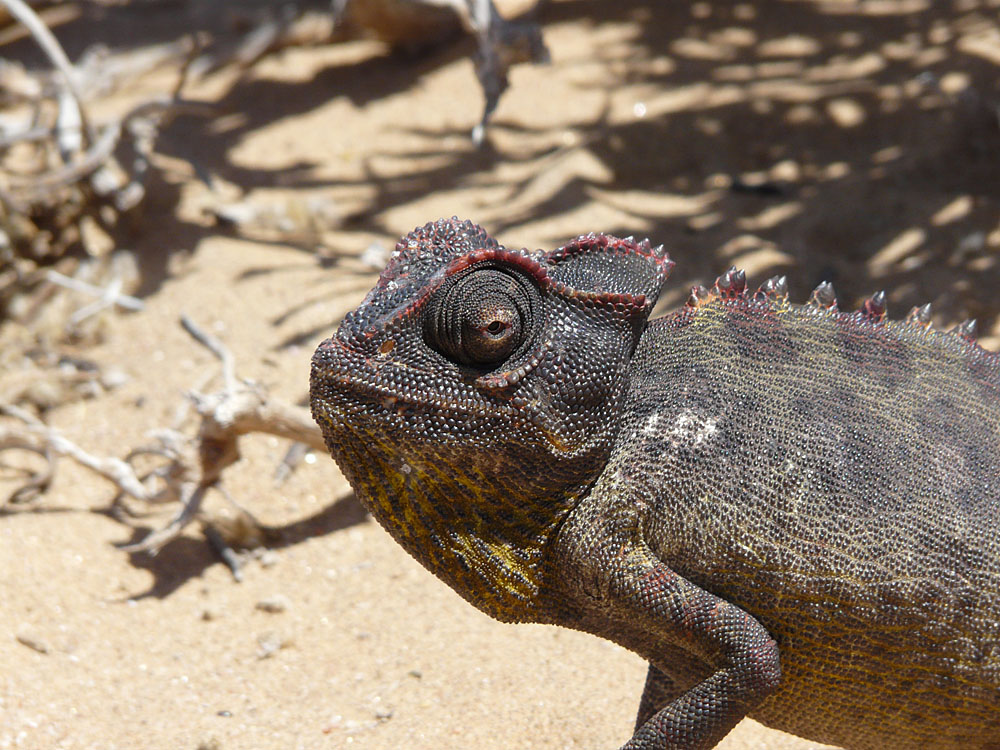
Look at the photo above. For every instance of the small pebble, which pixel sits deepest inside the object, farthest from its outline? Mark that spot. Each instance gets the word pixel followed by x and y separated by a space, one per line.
pixel 270 643
pixel 113 378
pixel 268 558
pixel 274 604
pixel 33 641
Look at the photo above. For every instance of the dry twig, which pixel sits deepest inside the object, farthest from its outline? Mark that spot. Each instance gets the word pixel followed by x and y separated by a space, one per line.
pixel 54 51
pixel 60 172
pixel 193 465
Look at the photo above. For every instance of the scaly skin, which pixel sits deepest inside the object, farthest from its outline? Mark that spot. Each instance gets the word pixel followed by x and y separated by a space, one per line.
pixel 791 512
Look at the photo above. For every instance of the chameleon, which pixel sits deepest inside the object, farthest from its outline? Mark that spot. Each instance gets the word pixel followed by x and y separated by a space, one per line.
pixel 790 511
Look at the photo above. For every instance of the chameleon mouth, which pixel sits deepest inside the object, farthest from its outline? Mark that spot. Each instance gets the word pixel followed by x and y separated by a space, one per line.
pixel 351 379
pixel 354 391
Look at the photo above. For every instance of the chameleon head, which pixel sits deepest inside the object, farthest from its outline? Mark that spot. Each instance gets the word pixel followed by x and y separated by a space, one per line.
pixel 469 398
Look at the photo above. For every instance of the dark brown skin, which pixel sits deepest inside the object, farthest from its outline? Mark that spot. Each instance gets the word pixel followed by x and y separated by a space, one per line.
pixel 791 512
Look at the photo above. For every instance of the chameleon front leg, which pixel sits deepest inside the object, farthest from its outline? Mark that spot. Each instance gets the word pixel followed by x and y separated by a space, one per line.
pixel 721 661
pixel 735 651
pixel 659 690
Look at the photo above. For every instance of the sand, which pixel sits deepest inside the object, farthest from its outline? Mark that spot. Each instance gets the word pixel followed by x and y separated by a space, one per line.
pixel 786 137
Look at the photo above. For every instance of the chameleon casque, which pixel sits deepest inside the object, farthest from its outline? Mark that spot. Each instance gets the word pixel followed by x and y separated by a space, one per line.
pixel 791 512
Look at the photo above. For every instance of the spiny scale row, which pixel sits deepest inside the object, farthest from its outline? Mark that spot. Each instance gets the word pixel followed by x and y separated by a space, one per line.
pixel 647 247
pixel 733 285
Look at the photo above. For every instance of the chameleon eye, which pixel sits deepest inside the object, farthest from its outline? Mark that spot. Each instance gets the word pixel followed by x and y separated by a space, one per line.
pixel 482 317
pixel 491 330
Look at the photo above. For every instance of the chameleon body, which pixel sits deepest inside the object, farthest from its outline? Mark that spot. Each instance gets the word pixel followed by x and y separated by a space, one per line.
pixel 790 512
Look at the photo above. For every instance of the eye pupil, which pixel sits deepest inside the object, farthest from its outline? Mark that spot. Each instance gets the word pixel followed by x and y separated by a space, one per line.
pixel 490 330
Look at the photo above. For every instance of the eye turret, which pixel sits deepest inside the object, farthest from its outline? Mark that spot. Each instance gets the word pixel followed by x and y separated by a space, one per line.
pixel 482 316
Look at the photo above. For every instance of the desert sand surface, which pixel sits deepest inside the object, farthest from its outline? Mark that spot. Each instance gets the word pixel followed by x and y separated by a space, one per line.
pixel 855 142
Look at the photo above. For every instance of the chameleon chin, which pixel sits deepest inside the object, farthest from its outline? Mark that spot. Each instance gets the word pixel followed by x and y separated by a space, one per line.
pixel 791 512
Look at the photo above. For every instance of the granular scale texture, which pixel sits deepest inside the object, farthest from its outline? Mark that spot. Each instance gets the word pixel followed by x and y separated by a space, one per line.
pixel 838 479
pixel 790 511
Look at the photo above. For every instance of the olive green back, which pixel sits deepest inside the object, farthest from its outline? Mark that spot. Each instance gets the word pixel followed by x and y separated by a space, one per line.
pixel 839 478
